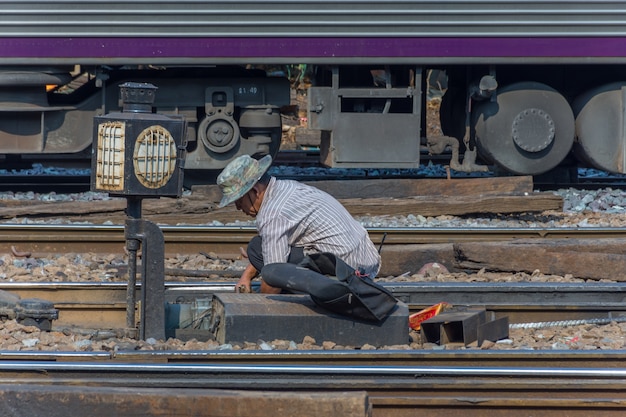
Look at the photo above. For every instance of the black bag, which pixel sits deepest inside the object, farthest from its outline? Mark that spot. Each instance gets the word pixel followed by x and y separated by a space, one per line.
pixel 365 299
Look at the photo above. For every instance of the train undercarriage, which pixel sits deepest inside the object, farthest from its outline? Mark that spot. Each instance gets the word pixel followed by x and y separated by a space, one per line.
pixel 515 119
pixel 520 120
pixel 230 111
pixel 540 116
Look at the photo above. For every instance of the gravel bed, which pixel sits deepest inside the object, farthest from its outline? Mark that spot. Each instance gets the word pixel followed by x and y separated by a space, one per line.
pixel 16 337
pixel 591 208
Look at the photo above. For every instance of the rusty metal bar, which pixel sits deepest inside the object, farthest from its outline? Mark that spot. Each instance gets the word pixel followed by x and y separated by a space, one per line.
pixel 152 317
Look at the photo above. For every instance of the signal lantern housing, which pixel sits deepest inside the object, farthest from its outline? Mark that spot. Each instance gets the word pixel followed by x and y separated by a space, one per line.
pixel 137 152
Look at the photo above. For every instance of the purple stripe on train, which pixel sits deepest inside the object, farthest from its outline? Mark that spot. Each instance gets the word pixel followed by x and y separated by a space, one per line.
pixel 323 47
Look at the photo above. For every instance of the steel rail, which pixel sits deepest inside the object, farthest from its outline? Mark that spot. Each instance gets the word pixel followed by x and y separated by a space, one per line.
pixel 226 240
pixel 413 372
pixel 103 305
pixel 562 359
pixel 341 370
pixel 400 390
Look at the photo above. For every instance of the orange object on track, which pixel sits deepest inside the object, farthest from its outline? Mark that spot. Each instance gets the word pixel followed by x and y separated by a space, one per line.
pixel 416 319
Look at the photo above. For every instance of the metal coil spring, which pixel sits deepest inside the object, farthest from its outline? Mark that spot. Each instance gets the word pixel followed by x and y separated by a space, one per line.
pixel 565 323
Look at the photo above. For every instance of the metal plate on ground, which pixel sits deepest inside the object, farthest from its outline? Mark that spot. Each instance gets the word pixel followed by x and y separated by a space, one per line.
pixel 268 317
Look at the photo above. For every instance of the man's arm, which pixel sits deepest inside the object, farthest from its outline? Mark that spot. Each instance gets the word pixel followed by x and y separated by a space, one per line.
pixel 243 285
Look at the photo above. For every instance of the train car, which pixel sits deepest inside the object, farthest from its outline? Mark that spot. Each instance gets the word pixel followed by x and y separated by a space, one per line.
pixel 529 83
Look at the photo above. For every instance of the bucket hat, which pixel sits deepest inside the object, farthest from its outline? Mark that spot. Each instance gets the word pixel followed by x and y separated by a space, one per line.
pixel 240 175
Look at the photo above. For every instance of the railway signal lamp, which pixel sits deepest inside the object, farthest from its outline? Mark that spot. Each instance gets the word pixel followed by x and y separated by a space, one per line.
pixel 139 154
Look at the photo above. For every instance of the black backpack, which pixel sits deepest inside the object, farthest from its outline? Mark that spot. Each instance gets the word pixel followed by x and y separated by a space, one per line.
pixel 364 299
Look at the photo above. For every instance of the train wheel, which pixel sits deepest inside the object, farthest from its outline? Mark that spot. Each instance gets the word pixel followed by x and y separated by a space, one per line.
pixel 600 130
pixel 527 130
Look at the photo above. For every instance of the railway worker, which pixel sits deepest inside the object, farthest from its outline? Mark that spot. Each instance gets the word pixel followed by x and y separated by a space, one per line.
pixel 292 220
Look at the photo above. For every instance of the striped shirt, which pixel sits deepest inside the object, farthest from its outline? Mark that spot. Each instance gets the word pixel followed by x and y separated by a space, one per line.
pixel 295 214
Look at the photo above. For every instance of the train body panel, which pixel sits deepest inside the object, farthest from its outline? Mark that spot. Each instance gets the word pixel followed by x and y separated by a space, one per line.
pixel 571 47
pixel 322 31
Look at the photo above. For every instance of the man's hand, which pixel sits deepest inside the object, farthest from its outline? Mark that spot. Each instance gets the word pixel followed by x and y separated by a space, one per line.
pixel 242 288
pixel 243 285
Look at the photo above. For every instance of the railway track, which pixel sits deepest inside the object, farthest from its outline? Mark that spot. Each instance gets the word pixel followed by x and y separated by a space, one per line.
pixel 227 240
pixel 389 382
pixel 105 301
pixel 103 305
pixel 396 384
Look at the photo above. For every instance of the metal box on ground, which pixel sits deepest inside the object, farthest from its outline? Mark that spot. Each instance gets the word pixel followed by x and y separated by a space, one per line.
pixel 267 317
pixel 463 326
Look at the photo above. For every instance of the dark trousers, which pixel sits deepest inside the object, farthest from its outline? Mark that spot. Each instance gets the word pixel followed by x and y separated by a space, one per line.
pixel 291 278
pixel 255 254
